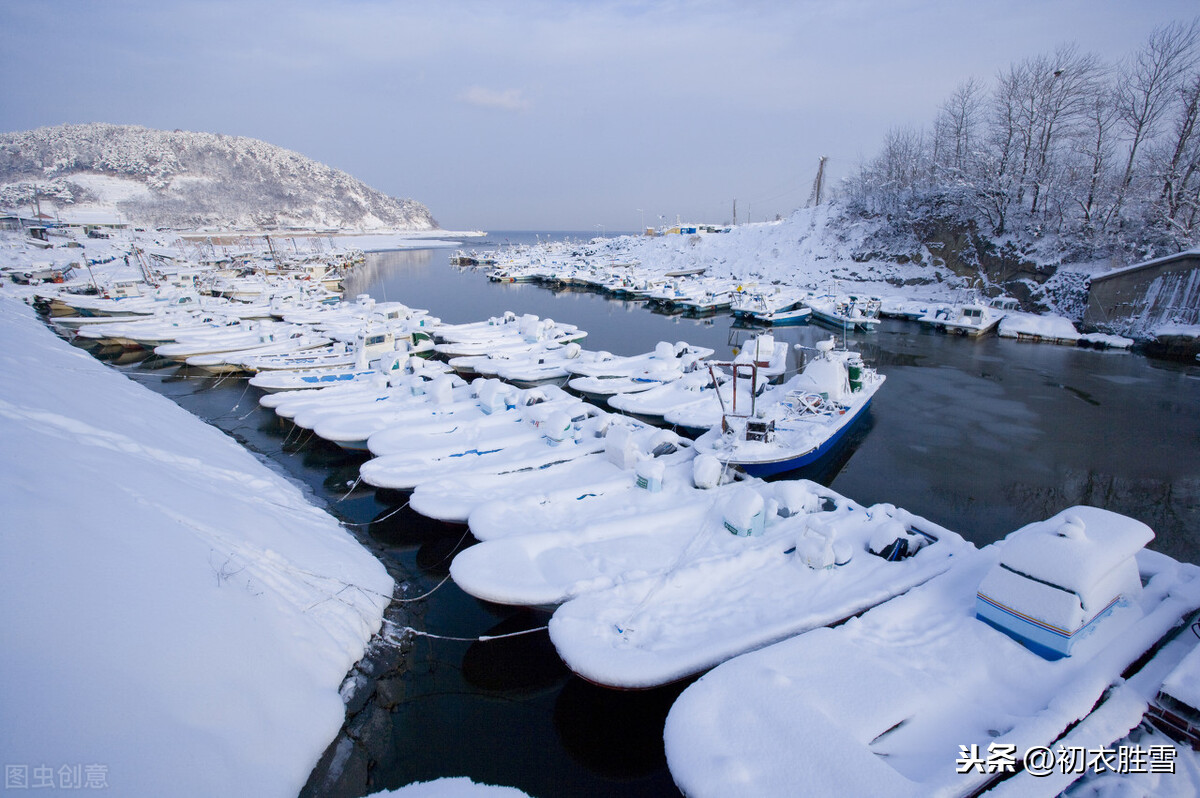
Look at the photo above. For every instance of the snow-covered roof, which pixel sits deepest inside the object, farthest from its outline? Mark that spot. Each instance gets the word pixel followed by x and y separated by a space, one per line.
pixel 1076 548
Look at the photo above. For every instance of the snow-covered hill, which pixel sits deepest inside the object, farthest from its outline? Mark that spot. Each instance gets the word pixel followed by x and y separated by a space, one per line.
pixel 189 181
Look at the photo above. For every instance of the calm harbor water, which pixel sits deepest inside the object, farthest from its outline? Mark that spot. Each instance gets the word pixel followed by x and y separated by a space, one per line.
pixel 979 436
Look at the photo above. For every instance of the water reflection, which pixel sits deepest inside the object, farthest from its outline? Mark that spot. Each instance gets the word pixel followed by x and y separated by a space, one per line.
pixel 965 432
pixel 521 662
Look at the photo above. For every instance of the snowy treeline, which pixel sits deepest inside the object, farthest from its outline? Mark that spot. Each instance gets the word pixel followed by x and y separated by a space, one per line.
pixel 192 180
pixel 1066 155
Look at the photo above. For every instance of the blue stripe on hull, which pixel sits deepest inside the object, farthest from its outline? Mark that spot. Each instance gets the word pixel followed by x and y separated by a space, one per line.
pixel 1048 642
pixel 791 464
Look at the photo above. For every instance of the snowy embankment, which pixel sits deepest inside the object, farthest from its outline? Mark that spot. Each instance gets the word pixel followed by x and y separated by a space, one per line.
pixel 178 617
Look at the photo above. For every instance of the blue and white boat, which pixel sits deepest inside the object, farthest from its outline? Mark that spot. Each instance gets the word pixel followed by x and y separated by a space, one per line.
pixel 846 311
pixel 814 410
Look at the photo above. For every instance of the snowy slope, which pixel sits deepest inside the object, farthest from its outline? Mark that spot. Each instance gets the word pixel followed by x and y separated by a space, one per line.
pixel 189 180
pixel 177 616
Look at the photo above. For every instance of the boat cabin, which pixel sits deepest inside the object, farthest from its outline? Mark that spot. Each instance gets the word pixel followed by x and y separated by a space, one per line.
pixel 1056 580
pixel 1176 708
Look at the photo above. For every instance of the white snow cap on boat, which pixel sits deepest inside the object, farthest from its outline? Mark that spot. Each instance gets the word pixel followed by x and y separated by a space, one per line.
pixel 620 448
pixel 827 375
pixel 557 427
pixel 664 351
pixel 493 395
pixel 795 498
pixel 706 471
pixel 1077 548
pixel 440 390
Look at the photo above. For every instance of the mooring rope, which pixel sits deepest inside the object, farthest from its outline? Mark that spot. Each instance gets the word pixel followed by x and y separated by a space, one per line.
pixel 405 631
pixel 376 520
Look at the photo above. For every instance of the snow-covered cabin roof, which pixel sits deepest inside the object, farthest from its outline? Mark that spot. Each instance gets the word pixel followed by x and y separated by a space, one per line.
pixel 1183 683
pixel 1076 548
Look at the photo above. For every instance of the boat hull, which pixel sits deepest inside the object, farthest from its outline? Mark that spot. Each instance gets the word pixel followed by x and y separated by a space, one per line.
pixel 767 468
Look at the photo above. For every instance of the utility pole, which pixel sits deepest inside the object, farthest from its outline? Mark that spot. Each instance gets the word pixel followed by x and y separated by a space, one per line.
pixel 814 197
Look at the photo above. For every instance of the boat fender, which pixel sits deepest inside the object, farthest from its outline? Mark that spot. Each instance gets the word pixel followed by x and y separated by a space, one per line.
pixel 706 471
pixel 744 512
pixel 650 475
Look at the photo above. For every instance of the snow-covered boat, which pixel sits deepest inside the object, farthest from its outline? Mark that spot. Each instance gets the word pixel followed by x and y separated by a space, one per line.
pixel 972 317
pixel 920 697
pixel 782 318
pixel 693 388
pixel 230 362
pixel 441 413
pixel 455 498
pixel 230 339
pixel 779 306
pixel 600 380
pixel 557 433
pixel 898 307
pixel 396 362
pixel 149 331
pixel 369 345
pixel 809 415
pixel 812 558
pixel 481 338
pixel 845 311
pixel 342 397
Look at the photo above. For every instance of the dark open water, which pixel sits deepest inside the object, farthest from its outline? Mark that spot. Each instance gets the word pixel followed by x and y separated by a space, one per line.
pixel 980 436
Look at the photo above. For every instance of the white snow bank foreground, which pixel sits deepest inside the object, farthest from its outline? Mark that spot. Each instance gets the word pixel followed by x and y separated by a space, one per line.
pixel 177 617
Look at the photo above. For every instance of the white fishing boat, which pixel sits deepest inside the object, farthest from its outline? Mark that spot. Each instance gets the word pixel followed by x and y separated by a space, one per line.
pixel 307 379
pixel 849 312
pixel 776 305
pixel 229 362
pixel 455 498
pixel 898 307
pixel 368 346
pixel 782 318
pixel 522 333
pixel 798 423
pixel 229 339
pixel 767 562
pixel 971 317
pixel 346 396
pixel 559 434
pixel 150 331
pixel 920 697
pixel 635 373
pixel 445 412
pixel 651 406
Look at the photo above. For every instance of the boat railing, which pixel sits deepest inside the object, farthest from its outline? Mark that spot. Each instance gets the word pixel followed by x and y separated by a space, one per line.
pixel 740 371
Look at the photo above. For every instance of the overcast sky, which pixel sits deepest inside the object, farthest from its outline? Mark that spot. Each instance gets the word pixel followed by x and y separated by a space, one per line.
pixel 533 114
